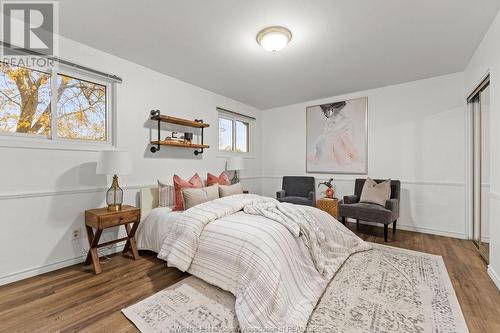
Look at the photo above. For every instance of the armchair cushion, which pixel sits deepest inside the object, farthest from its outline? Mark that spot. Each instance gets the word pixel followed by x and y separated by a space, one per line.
pixel 296 186
pixel 297 200
pixel 367 212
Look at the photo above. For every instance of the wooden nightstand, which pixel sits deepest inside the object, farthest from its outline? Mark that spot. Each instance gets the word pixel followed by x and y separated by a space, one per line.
pixel 100 219
pixel 331 206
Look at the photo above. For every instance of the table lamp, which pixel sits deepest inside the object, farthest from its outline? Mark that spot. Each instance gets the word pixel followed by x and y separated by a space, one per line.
pixel 114 162
pixel 235 163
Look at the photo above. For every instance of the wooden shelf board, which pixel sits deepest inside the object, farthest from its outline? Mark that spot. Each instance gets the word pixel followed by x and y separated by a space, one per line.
pixel 179 121
pixel 179 144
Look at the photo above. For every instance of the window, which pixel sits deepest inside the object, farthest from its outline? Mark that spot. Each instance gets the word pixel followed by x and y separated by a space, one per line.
pixel 241 137
pixel 24 101
pixel 28 96
pixel 81 109
pixel 225 134
pixel 233 132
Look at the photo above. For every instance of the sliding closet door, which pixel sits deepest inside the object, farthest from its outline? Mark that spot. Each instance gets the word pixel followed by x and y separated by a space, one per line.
pixel 480 108
pixel 484 100
pixel 476 168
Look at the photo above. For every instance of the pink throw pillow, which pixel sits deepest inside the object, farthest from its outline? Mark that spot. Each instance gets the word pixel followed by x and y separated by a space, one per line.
pixel 223 179
pixel 179 184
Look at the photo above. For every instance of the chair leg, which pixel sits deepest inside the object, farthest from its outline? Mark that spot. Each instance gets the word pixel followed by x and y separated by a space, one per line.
pixel 342 219
pixel 357 224
pixel 386 227
pixel 394 227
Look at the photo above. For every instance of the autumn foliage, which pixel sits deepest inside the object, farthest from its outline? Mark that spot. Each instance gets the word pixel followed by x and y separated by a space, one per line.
pixel 26 104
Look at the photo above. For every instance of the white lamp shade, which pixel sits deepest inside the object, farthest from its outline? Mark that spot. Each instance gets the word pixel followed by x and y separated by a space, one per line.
pixel 113 162
pixel 235 163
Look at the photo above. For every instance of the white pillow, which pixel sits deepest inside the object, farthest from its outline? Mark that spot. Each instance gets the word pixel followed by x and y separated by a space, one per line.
pixel 376 193
pixel 227 190
pixel 196 196
pixel 166 195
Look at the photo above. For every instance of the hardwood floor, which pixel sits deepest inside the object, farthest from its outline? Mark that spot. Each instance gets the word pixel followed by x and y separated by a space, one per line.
pixel 74 299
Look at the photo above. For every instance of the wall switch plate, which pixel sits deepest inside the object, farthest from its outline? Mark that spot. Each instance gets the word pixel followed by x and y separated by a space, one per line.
pixel 76 233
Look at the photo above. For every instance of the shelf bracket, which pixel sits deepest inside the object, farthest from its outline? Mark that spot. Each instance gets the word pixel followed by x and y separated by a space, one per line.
pixel 156 113
pixel 198 152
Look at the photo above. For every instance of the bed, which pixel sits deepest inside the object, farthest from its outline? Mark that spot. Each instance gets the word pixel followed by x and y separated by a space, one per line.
pixel 275 258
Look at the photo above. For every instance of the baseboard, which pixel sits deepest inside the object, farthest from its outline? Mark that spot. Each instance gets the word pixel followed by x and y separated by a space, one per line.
pixel 431 231
pixel 30 272
pixel 423 230
pixel 494 276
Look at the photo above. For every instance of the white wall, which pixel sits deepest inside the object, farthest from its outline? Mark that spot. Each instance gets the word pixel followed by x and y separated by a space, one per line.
pixel 485 60
pixel 43 193
pixel 415 134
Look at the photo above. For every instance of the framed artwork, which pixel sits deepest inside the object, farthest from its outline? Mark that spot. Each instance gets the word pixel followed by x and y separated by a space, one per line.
pixel 337 137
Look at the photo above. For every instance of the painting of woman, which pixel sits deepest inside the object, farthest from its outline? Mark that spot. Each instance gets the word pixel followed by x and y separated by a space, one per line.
pixel 336 137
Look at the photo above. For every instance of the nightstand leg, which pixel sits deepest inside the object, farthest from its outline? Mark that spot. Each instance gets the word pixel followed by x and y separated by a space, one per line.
pixel 90 237
pixel 130 244
pixel 95 261
pixel 93 255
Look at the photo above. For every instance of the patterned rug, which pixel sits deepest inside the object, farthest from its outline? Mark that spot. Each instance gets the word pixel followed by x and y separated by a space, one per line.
pixel 383 290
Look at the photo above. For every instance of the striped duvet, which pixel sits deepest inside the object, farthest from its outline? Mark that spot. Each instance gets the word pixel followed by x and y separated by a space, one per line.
pixel 259 259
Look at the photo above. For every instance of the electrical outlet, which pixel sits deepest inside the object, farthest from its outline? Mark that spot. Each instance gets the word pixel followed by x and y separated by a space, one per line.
pixel 76 233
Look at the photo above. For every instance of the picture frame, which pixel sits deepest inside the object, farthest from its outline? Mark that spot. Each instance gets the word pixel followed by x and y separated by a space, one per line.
pixel 337 137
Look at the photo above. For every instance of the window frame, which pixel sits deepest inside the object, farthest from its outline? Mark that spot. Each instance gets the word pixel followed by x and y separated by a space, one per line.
pixel 234 118
pixel 235 133
pixel 53 141
pixel 219 117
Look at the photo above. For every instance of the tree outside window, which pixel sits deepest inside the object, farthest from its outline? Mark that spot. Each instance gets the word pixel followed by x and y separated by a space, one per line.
pixel 26 105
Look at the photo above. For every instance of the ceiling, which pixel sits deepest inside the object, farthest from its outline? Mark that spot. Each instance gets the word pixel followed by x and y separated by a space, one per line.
pixel 338 46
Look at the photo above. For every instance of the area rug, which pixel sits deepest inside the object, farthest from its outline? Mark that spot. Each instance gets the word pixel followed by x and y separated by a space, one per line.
pixel 190 305
pixel 382 290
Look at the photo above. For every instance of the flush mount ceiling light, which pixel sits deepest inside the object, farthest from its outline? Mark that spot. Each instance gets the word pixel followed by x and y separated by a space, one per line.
pixel 274 39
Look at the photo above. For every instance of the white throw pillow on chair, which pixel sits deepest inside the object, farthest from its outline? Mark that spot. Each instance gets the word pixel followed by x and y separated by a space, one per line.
pixel 376 193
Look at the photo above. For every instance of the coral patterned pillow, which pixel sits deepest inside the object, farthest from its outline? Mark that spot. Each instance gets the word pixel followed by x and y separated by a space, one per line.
pixel 223 179
pixel 180 183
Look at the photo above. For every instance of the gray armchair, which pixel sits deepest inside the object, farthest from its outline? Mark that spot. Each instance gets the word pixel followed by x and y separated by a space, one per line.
pixel 350 207
pixel 298 190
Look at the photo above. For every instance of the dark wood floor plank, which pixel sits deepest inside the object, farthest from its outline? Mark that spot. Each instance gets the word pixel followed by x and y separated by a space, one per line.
pixel 73 299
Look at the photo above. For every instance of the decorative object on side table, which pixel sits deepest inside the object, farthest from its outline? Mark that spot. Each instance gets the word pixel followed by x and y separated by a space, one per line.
pixel 235 164
pixel 100 219
pixel 329 205
pixel 114 162
pixel 330 188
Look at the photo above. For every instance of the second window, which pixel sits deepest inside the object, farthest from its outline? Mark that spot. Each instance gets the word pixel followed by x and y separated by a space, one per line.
pixel 233 133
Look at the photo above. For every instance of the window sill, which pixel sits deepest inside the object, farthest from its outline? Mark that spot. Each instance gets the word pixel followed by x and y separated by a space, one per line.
pixel 225 154
pixel 29 143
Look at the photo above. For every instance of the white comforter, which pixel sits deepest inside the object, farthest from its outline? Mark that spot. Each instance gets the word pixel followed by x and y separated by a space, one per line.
pixel 264 258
